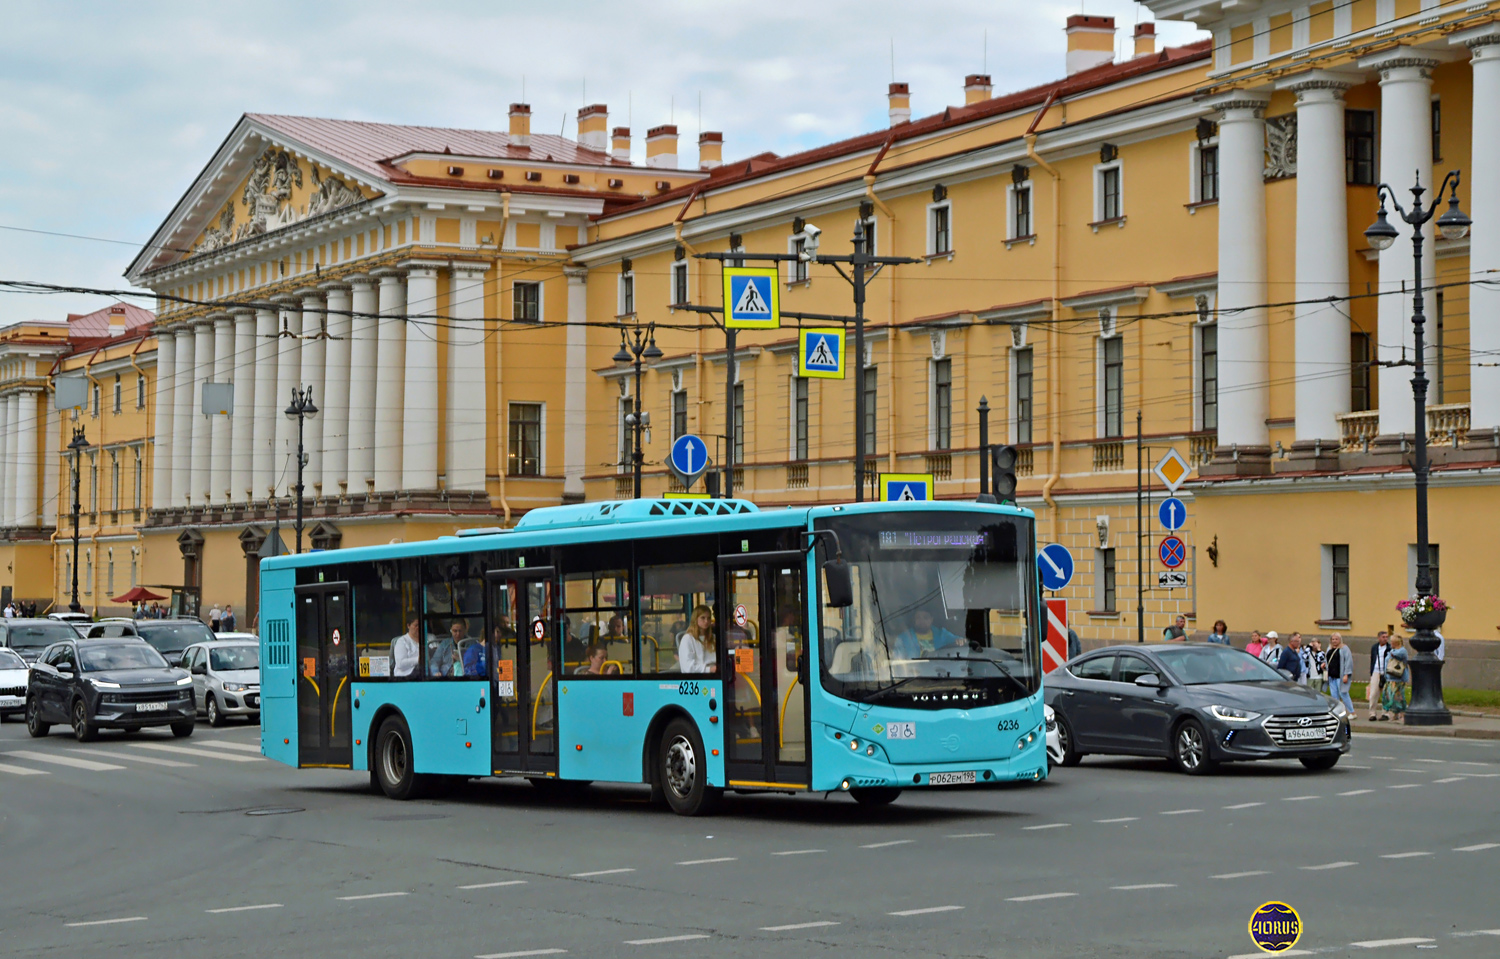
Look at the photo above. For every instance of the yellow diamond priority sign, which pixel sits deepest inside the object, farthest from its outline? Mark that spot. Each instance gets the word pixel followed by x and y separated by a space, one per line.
pixel 1173 470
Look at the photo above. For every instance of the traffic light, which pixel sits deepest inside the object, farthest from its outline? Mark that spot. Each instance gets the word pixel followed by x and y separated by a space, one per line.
pixel 1003 470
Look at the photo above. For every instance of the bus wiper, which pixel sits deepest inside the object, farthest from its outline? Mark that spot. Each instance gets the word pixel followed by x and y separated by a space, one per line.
pixel 877 694
pixel 1007 674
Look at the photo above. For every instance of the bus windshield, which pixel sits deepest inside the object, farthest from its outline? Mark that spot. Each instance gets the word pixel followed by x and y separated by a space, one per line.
pixel 944 612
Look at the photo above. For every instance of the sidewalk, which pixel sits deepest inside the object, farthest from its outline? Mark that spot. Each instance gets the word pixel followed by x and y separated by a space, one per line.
pixel 1464 727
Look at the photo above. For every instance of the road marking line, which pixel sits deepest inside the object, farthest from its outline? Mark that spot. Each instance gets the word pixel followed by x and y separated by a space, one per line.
pixel 1241 875
pixel 882 845
pixel 923 912
pixel 1179 812
pixel 202 753
pixel 1476 932
pixel 22 770
pixel 797 852
pixel 1403 855
pixel 1408 770
pixel 1050 825
pixel 372 895
pixel 1450 779
pixel 599 872
pixel 105 922
pixel 1044 895
pixel 652 942
pixel 1121 819
pixel 1147 885
pixel 1382 943
pixel 492 885
pixel 1329 865
pixel 1468 762
pixel 226 744
pixel 1405 785
pixel 704 862
pixel 88 764
pixel 1429 760
pixel 1244 805
pixel 969 835
pixel 268 905
pixel 1480 775
pixel 1352 766
pixel 1481 847
pixel 524 952
pixel 1298 798
pixel 1391 758
pixel 1356 792
pixel 798 925
pixel 148 760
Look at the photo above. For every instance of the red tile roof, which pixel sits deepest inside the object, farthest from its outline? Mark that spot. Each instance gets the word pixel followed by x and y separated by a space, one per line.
pixel 95 325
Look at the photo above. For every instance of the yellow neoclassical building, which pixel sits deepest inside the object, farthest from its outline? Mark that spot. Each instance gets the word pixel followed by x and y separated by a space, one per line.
pixel 1168 242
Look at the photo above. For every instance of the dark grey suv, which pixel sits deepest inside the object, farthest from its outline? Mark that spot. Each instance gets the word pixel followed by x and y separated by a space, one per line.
pixel 107 683
pixel 28 637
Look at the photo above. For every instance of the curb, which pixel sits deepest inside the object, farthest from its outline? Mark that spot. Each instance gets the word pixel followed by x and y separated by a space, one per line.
pixel 1401 729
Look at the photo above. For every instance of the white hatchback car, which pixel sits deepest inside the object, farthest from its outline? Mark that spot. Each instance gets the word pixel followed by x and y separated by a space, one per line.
pixel 226 678
pixel 13 673
pixel 1054 739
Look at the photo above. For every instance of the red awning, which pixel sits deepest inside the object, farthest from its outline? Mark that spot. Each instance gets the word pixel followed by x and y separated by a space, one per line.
pixel 137 594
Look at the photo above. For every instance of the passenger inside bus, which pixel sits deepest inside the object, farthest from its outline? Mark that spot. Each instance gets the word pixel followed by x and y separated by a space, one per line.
pixel 695 647
pixel 597 664
pixel 442 652
pixel 405 649
pixel 923 637
pixel 471 650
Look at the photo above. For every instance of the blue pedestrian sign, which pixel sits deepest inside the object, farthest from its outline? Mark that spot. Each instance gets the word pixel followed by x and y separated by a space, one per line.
pixel 1173 551
pixel 1172 513
pixel 1056 566
pixel 688 458
pixel 752 298
pixel 906 487
pixel 820 353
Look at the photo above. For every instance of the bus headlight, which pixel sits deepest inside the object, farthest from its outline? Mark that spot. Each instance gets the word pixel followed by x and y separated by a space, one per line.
pixel 854 744
pixel 870 750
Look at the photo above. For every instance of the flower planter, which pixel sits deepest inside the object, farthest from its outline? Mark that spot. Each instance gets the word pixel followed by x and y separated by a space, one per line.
pixel 1429 620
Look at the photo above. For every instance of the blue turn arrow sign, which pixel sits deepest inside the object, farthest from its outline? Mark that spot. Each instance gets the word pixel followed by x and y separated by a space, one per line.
pixel 1056 566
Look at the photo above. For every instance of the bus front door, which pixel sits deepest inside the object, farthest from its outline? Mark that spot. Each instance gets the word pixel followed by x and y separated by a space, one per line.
pixel 521 625
pixel 323 642
pixel 763 662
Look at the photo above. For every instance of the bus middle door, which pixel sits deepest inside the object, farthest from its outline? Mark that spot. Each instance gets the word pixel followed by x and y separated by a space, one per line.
pixel 323 645
pixel 521 627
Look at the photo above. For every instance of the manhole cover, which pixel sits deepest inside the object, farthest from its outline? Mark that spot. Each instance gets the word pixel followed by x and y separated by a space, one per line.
pixel 273 811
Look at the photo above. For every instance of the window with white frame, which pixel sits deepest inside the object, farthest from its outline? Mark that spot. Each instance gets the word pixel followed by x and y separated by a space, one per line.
pixel 1112 386
pixel 119 393
pixel 140 391
pixel 942 404
pixel 627 292
pixel 679 413
pixel 1109 195
pixel 1203 182
pixel 799 417
pixel 526 301
pixel 1335 591
pixel 114 479
pixel 623 461
pixel 680 283
pixel 1208 376
pixel 1104 580
pixel 1411 568
pixel 139 479
pixel 872 245
pixel 796 270
pixel 1022 378
pixel 525 439
pixel 940 229
pixel 1018 211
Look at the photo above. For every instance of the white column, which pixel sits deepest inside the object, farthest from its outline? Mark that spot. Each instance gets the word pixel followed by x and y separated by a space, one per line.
pixel 363 343
pixel 468 408
pixel 200 462
pixel 419 420
pixel 333 399
pixel 26 458
pixel 263 472
pixel 7 455
pixel 161 448
pixel 1405 156
pixel 314 349
pixel 288 376
pixel 1322 330
pixel 575 385
pixel 51 423
pixel 1483 202
pixel 390 375
pixel 182 416
pixel 1243 386
pixel 242 455
pixel 221 428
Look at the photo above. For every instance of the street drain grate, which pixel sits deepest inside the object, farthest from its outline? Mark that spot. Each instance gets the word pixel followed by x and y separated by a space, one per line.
pixel 273 810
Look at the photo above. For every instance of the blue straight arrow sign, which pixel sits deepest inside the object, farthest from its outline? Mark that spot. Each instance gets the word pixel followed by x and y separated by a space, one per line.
pixel 1172 513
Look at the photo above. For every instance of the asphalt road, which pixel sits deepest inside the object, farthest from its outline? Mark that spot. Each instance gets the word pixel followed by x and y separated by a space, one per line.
pixel 199 848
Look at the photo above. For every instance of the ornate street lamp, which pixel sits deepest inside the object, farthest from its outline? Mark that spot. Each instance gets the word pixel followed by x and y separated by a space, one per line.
pixel 1427 708
pixel 638 347
pixel 78 445
pixel 300 409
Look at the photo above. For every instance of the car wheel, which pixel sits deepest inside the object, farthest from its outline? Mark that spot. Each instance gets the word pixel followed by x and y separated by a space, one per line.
pixel 875 795
pixel 1320 763
pixel 682 771
pixel 83 730
pixel 34 724
pixel 1190 749
pixel 215 717
pixel 1071 755
pixel 393 760
pixel 183 729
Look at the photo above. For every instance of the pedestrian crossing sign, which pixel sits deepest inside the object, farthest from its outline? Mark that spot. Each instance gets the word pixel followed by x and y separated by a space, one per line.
pixel 906 487
pixel 752 298
pixel 820 353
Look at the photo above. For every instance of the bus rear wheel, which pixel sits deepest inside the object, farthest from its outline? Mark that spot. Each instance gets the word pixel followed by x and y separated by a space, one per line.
pixel 681 770
pixel 875 795
pixel 393 760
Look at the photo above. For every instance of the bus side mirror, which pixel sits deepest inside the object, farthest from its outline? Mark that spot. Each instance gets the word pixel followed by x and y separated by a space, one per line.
pixel 838 583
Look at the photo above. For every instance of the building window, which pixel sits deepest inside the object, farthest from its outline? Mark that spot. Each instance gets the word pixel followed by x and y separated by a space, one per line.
pixel 1359 147
pixel 942 404
pixel 871 246
pixel 1108 199
pixel 1432 568
pixel 1023 395
pixel 679 413
pixel 527 300
pixel 799 417
pixel 109 572
pixel 1104 580
pixel 939 230
pixel 140 391
pixel 1359 372
pixel 739 422
pixel 679 283
pixel 1208 376
pixel 1020 211
pixel 1437 130
pixel 797 269
pixel 119 393
pixel 525 439
pixel 134 557
pixel 627 294
pixel 1113 351
pixel 1208 173
pixel 624 462
pixel 114 479
pixel 872 396
pixel 93 483
pixel 139 482
pixel 1337 589
pixel 96 399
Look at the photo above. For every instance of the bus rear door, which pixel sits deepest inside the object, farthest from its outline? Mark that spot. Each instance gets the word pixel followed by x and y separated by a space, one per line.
pixel 323 642
pixel 763 661
pixel 521 617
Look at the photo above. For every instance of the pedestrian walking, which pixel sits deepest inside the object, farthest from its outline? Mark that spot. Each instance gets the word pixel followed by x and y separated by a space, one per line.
pixel 1177 632
pixel 1317 665
pixel 1340 673
pixel 1075 646
pixel 1256 644
pixel 1393 695
pixel 1290 660
pixel 213 618
pixel 1378 654
pixel 1220 633
pixel 1270 653
pixel 226 618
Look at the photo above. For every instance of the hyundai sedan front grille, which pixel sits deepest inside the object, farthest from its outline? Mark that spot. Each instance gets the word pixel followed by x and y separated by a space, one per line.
pixel 1315 730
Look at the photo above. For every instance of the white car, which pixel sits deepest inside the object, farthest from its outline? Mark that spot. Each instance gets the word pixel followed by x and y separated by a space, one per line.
pixel 1054 739
pixel 226 678
pixel 12 684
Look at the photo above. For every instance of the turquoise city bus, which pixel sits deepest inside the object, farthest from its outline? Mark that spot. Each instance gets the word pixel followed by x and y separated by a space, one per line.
pixel 697 646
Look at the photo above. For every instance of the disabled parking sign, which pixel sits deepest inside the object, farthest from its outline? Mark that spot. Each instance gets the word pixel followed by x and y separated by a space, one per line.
pixel 752 299
pixel 820 353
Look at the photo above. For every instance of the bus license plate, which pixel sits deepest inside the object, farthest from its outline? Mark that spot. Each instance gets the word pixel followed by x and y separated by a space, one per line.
pixel 150 707
pixel 951 779
pixel 1305 733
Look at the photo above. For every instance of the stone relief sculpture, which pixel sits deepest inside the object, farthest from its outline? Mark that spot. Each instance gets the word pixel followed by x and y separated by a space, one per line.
pixel 219 236
pixel 267 197
pixel 330 194
pixel 1281 146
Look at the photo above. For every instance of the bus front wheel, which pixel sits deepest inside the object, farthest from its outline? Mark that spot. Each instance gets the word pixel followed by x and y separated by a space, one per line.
pixel 875 795
pixel 393 760
pixel 682 771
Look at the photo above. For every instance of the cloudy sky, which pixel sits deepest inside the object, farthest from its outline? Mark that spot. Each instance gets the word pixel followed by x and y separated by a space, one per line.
pixel 110 110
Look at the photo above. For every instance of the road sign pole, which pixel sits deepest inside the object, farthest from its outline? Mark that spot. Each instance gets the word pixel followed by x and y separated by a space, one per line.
pixel 1140 528
pixel 858 263
pixel 729 337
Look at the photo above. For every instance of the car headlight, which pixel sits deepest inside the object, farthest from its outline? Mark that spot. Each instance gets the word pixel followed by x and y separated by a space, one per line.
pixel 104 684
pixel 1051 718
pixel 1339 710
pixel 185 681
pixel 1230 714
pixel 234 687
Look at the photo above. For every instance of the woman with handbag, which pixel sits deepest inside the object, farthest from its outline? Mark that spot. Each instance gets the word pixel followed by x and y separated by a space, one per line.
pixel 1393 696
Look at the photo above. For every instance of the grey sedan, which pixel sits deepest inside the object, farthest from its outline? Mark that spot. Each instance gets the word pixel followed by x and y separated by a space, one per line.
pixel 226 679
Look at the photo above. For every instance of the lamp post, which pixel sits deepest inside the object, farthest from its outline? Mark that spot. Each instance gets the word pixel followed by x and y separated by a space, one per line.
pixel 300 409
pixel 78 445
pixel 1427 708
pixel 634 349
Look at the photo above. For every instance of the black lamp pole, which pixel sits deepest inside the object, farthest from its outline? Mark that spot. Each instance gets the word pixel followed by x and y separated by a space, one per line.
pixel 300 409
pixel 78 445
pixel 1427 708
pixel 636 350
